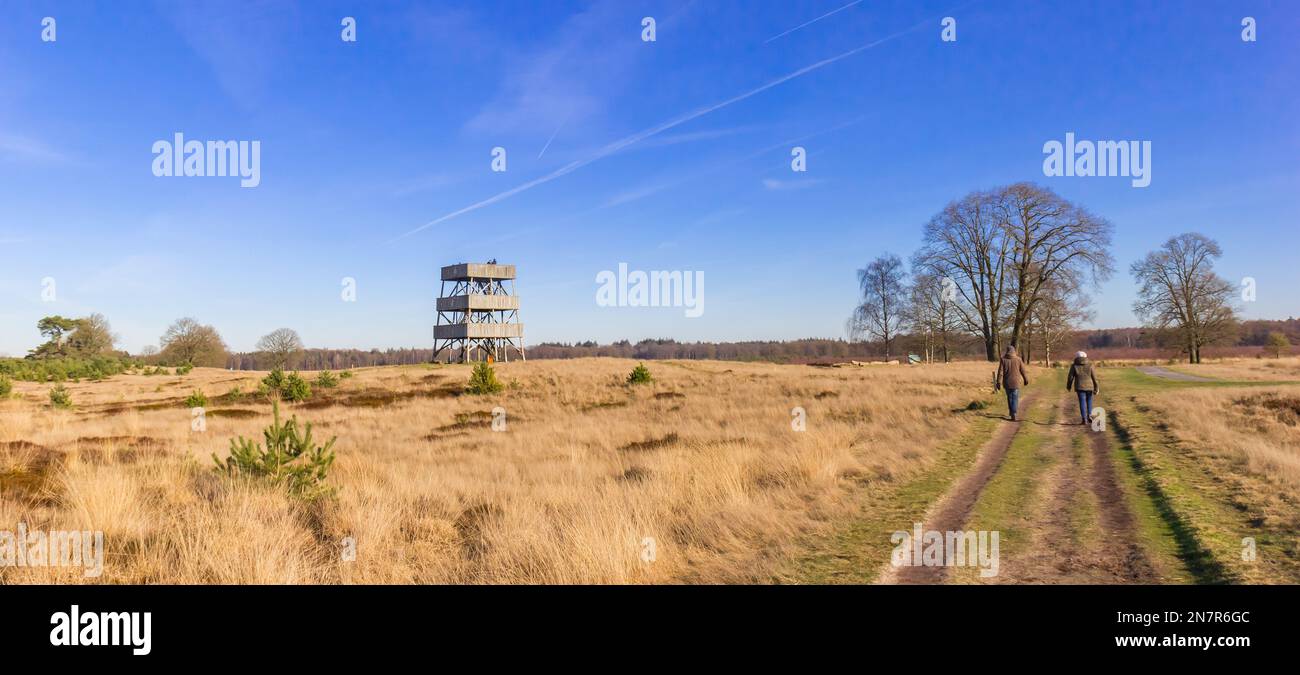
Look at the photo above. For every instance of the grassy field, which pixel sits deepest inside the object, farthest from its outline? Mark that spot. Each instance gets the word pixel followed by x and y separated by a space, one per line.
pixel 697 477
pixel 703 461
pixel 1220 458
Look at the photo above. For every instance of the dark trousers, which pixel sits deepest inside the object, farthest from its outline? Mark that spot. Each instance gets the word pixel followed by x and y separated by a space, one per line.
pixel 1085 405
pixel 1013 400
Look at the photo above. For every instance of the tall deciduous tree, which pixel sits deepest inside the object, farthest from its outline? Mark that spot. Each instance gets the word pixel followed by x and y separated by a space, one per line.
pixel 931 314
pixel 281 346
pixel 1278 343
pixel 1054 244
pixel 884 301
pixel 1179 291
pixel 965 242
pixel 188 341
pixel 93 336
pixel 1002 247
pixel 1059 311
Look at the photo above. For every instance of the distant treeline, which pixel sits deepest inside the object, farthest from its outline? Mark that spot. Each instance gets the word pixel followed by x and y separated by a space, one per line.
pixel 330 359
pixel 1254 333
pixel 808 350
pixel 791 351
pixel 805 350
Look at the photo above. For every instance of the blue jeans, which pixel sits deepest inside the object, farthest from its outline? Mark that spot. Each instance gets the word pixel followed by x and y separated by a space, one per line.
pixel 1013 400
pixel 1085 405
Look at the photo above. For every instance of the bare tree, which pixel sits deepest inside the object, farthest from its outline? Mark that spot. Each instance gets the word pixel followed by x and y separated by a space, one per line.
pixel 1055 243
pixel 281 346
pixel 188 341
pixel 1059 311
pixel 92 336
pixel 884 299
pixel 966 243
pixel 1179 291
pixel 931 314
pixel 1003 246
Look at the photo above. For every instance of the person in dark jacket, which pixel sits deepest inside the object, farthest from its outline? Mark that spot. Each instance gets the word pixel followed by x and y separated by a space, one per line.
pixel 1083 381
pixel 1011 376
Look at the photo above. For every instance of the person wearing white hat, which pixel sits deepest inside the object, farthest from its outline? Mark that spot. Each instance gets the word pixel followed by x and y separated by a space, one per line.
pixel 1083 381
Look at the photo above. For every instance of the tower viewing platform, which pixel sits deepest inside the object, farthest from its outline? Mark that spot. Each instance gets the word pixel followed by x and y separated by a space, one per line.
pixel 478 318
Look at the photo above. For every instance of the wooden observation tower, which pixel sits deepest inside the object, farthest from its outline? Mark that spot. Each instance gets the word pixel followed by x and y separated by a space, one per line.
pixel 478 320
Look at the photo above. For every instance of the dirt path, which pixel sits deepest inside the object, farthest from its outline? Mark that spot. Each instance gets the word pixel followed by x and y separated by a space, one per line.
pixel 1055 548
pixel 1157 371
pixel 951 512
pixel 1077 526
pixel 1085 532
pixel 1120 554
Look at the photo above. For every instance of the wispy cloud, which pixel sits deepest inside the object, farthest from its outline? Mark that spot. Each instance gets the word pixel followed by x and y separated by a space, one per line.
pixel 776 184
pixel 563 82
pixel 720 216
pixel 135 274
pixel 633 139
pixel 433 181
pixel 242 45
pixel 25 149
pixel 636 194
pixel 699 136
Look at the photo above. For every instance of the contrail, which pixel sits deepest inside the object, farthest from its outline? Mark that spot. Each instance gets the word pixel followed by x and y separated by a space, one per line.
pixel 809 23
pixel 647 133
pixel 553 135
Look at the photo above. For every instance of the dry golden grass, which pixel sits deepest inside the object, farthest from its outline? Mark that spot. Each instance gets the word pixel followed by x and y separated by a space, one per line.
pixel 703 460
pixel 1261 369
pixel 1257 428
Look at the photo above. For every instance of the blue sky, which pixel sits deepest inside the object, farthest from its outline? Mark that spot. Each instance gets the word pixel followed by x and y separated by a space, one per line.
pixel 363 143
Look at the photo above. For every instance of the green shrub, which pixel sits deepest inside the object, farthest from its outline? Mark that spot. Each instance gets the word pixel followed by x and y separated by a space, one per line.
pixel 63 369
pixel 290 459
pixel 295 388
pixel 6 386
pixel 184 369
pixel 345 375
pixel 274 382
pixel 640 375
pixel 196 400
pixel 483 380
pixel 59 397
pixel 327 380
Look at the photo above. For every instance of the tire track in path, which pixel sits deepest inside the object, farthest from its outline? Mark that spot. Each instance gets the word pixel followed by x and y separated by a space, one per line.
pixel 1053 549
pixel 951 512
pixel 1119 554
